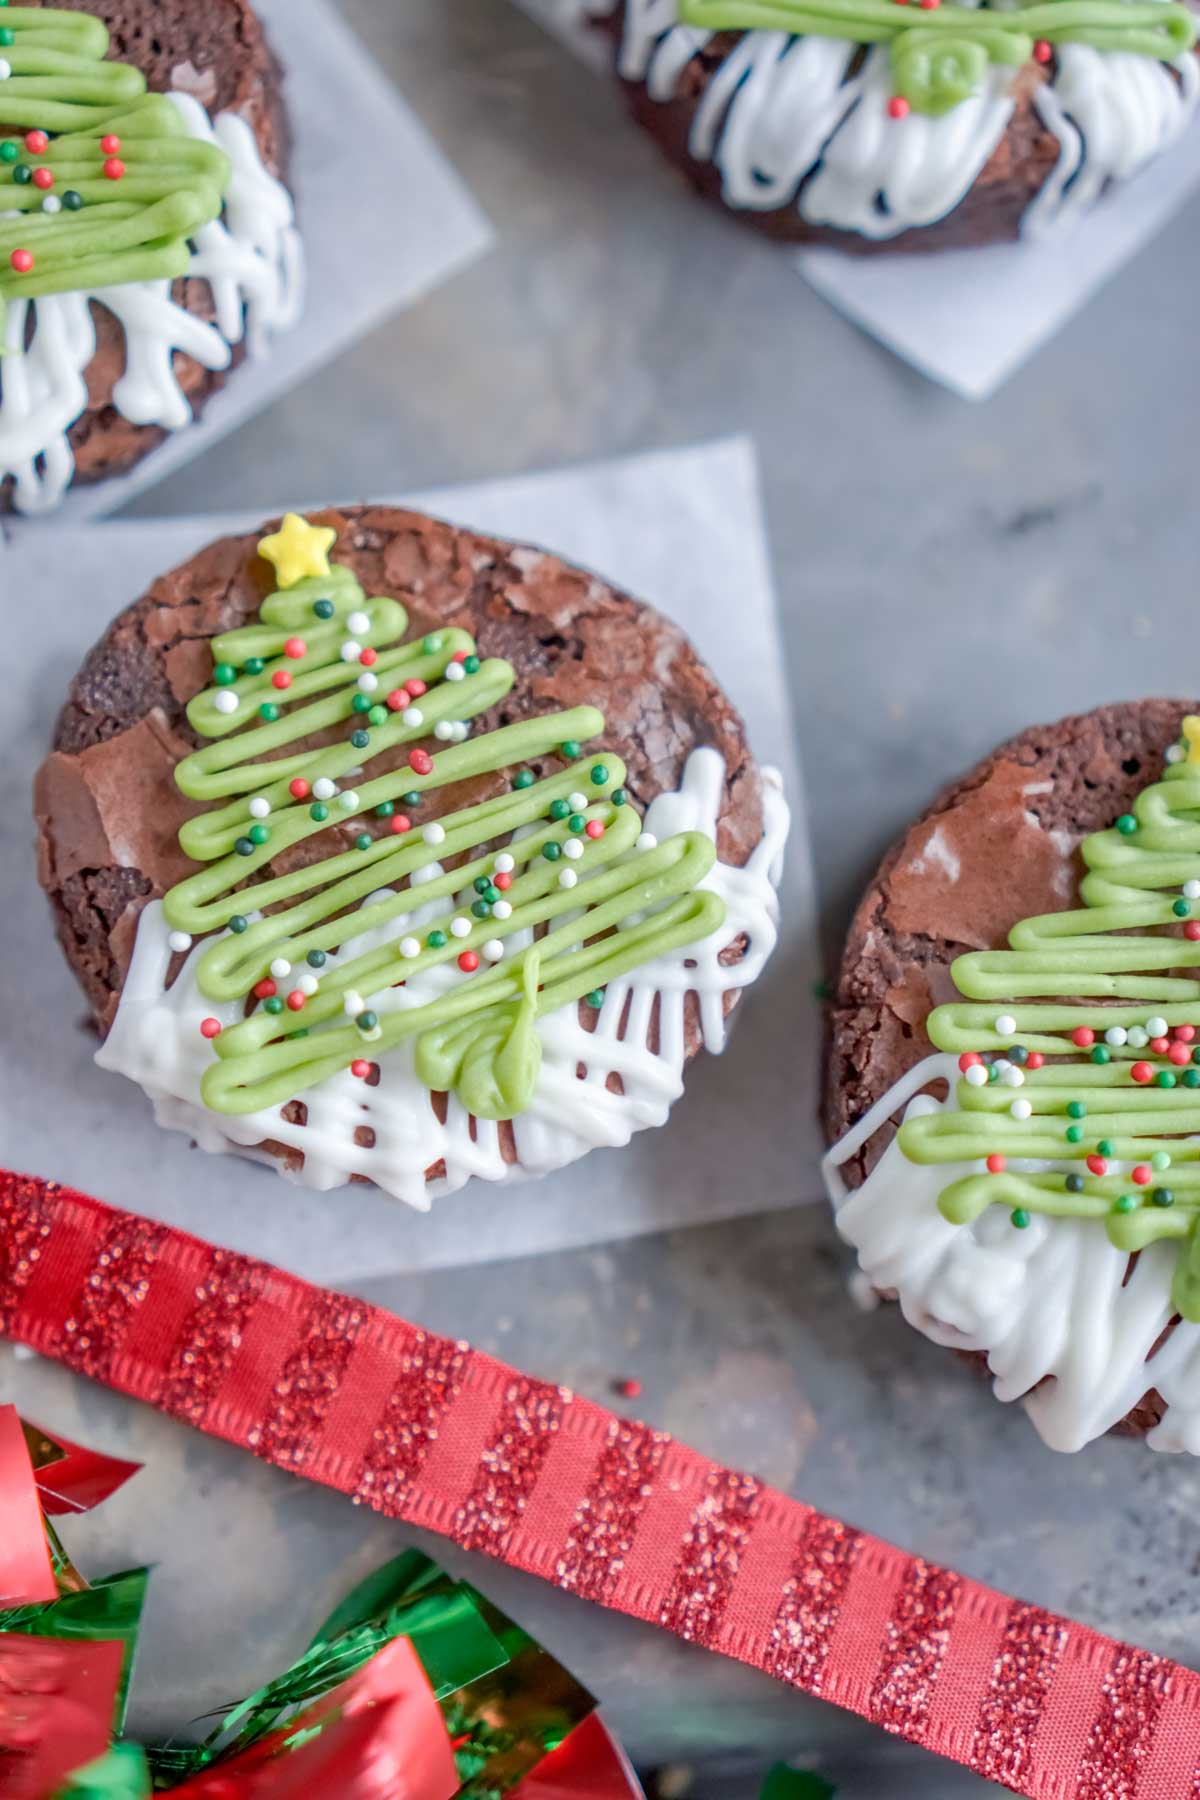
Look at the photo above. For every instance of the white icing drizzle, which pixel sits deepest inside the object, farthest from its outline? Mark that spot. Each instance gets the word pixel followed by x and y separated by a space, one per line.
pixel 253 261
pixel 1050 1306
pixel 780 107
pixel 155 1039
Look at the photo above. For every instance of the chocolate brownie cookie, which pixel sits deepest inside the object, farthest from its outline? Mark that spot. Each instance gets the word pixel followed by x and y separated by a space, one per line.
pixel 532 647
pixel 1050 1185
pixel 101 399
pixel 872 138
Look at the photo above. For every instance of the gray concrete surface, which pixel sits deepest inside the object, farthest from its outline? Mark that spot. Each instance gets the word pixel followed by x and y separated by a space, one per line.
pixel 947 574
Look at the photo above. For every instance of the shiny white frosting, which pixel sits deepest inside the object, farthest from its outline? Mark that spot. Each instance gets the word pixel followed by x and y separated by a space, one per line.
pixel 1065 1327
pixel 779 108
pixel 155 1039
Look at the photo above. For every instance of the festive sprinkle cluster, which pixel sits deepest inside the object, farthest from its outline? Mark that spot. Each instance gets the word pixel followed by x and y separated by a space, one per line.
pixel 1079 1107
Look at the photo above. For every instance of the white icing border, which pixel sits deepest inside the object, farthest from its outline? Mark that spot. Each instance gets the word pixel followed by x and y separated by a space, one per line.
pixel 1047 1305
pixel 155 1039
pixel 779 107
pixel 253 261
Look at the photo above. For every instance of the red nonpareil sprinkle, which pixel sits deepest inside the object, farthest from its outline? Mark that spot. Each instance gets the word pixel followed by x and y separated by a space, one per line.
pixel 460 656
pixel 1097 1165
pixel 1191 930
pixel 299 788
pixel 1179 1054
pixel 360 1067
pixel 368 656
pixel 1083 1037
pixel 114 168
pixel 36 142
pixel 1142 1071
pixel 1034 1060
pixel 281 679
pixel 420 762
pixel 210 1028
pixel 265 989
pixel 1042 51
pixel 22 261
pixel 296 1001
pixel 503 881
pixel 1159 1046
pixel 416 687
pixel 43 178
pixel 630 1387
pixel 996 1164
pixel 110 144
pixel 1185 1033
pixel 594 828
pixel 401 823
pixel 1142 1174
pixel 295 648
pixel 468 962
pixel 397 700
pixel 898 107
pixel 970 1059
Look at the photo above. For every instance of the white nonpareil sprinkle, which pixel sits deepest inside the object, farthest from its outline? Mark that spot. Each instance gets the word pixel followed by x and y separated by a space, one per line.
pixel 367 683
pixel 375 1032
pixel 358 623
pixel 1006 1025
pixel 573 848
pixel 1176 753
pixel 504 863
pixel 308 985
pixel 434 834
pixel 179 940
pixel 1191 890
pixel 348 801
pixel 52 204
pixel 226 701
pixel 577 802
pixel 409 947
pixel 976 1075
pixel 1116 1035
pixel 455 672
pixel 648 841
pixel 353 1003
pixel 323 788
pixel 493 950
pixel 412 716
pixel 281 967
pixel 460 927
pixel 443 730
pixel 1011 1076
pixel 260 808
pixel 502 909
pixel 1020 1109
pixel 459 730
pixel 351 650
pixel 5 69
pixel 567 878
pixel 1157 1026
pixel 1137 1037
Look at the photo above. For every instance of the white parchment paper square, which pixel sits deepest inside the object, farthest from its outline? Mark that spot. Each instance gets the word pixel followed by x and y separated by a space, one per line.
pixel 683 528
pixel 970 318
pixel 381 228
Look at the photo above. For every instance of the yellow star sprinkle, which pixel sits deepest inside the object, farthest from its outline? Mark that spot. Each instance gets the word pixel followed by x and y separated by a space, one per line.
pixel 1191 731
pixel 298 550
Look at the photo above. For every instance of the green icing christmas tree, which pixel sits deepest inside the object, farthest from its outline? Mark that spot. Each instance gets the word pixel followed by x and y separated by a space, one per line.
pixel 104 183
pixel 1079 1045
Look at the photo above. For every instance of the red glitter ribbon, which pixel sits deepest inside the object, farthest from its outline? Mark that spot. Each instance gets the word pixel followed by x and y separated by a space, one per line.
pixel 435 1433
